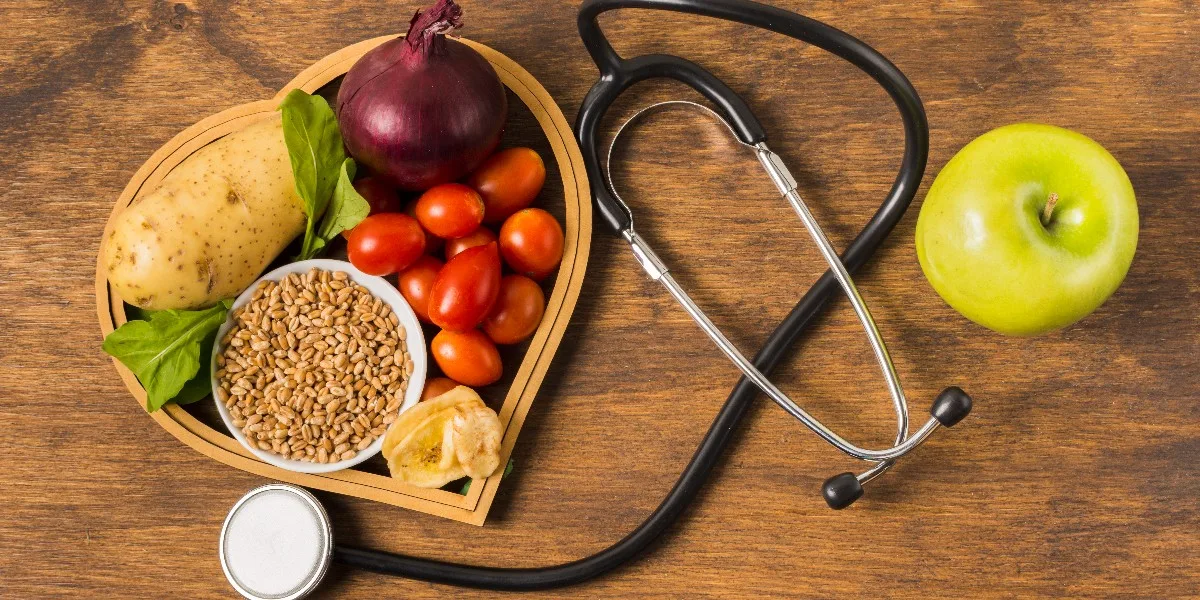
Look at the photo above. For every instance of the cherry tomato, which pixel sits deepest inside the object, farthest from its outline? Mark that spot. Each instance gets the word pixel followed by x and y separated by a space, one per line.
pixel 467 356
pixel 450 210
pixel 517 312
pixel 379 194
pixel 433 243
pixel 436 387
pixel 385 243
pixel 465 289
pixel 416 282
pixel 479 237
pixel 532 242
pixel 508 181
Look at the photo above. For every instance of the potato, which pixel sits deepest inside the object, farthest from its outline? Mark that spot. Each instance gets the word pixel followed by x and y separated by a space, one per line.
pixel 212 225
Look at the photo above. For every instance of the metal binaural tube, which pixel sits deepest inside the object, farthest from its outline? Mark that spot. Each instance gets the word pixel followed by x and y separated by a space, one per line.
pixel 783 180
pixel 786 184
pixel 755 376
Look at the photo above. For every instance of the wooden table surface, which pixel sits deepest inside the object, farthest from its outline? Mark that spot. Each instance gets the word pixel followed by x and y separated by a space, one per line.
pixel 1076 475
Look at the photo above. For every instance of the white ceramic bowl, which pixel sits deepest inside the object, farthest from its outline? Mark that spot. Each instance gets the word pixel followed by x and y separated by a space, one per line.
pixel 378 287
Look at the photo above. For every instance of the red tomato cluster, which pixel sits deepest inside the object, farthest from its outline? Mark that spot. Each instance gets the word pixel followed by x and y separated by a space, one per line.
pixel 468 296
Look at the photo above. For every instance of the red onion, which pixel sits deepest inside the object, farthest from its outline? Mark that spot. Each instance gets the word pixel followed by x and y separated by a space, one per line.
pixel 423 109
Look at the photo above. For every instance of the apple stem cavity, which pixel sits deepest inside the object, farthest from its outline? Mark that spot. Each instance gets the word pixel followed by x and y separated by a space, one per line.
pixel 1049 210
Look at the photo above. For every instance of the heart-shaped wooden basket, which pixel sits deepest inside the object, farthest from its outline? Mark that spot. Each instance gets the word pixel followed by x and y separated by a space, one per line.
pixel 366 481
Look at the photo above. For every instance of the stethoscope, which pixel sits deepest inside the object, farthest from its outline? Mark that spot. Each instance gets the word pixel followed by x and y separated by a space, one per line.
pixel 616 75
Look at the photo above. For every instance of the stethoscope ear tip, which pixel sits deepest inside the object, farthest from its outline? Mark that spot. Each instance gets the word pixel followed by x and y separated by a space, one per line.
pixel 841 490
pixel 951 406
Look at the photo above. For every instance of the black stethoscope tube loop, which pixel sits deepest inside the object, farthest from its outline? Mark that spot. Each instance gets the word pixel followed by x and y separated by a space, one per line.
pixel 616 75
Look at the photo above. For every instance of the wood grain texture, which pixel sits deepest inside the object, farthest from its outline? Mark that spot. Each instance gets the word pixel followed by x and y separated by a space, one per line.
pixel 1076 476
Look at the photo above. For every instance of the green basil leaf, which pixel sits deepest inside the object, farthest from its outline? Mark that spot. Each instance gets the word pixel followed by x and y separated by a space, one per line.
pixel 199 386
pixel 316 244
pixel 165 352
pixel 347 207
pixel 315 149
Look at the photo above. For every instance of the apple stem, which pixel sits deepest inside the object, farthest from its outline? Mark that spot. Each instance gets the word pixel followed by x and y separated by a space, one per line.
pixel 1049 210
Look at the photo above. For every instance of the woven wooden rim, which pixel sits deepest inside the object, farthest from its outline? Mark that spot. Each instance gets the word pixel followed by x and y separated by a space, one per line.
pixel 472 507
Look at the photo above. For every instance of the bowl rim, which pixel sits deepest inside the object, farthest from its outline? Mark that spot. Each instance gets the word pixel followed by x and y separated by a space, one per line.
pixel 380 288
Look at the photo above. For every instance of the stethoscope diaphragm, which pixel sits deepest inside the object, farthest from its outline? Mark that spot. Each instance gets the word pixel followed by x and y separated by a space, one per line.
pixel 276 543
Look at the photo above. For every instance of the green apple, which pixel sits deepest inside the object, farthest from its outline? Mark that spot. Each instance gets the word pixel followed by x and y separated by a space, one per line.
pixel 1028 228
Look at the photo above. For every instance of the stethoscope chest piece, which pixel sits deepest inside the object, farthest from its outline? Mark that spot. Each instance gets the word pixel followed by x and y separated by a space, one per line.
pixel 276 543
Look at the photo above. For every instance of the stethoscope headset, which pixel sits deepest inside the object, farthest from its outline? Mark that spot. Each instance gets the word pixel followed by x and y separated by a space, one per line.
pixel 616 75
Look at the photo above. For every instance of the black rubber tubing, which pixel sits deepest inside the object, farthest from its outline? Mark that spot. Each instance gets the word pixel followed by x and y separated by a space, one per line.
pixel 774 350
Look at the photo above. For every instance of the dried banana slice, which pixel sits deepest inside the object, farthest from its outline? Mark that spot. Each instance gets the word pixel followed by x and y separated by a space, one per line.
pixel 408 420
pixel 477 433
pixel 426 457
pixel 443 439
